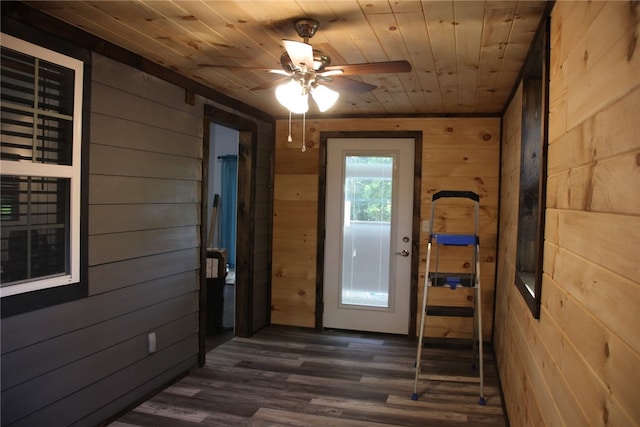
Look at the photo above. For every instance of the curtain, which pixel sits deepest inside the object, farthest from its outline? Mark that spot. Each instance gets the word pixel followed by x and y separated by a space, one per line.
pixel 228 203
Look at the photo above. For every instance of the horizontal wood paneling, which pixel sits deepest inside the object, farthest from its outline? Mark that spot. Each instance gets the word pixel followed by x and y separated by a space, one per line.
pixel 146 87
pixel 113 218
pixel 121 274
pixel 457 153
pixel 123 104
pixel 439 167
pixel 122 132
pixel 590 59
pixel 584 171
pixel 105 248
pixel 55 321
pixel 133 380
pixel 83 361
pixel 601 239
pixel 111 357
pixel 587 361
pixel 115 327
pixel 578 364
pixel 121 190
pixel 295 187
pixel 126 162
pixel 147 382
pixel 608 295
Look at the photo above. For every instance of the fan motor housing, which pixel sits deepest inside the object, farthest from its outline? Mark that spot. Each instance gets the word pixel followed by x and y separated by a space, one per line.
pixel 306 28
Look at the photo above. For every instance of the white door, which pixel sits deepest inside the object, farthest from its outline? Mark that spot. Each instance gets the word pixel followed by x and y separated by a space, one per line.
pixel 369 200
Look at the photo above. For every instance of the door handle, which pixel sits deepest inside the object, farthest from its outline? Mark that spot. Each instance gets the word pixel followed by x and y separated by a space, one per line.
pixel 404 253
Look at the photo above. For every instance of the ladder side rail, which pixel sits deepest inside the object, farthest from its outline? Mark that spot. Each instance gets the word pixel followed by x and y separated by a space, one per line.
pixel 431 238
pixel 477 203
pixel 433 212
pixel 482 400
pixel 476 254
pixel 435 275
pixel 414 395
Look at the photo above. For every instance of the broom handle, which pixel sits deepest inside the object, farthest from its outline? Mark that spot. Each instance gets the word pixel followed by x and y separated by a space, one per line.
pixel 214 212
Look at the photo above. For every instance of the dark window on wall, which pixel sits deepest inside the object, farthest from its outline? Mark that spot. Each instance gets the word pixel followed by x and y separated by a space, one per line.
pixel 533 165
pixel 41 132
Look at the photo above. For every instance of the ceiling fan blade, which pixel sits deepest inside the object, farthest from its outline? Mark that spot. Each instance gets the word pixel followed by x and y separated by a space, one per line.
pixel 270 84
pixel 342 83
pixel 301 54
pixel 373 68
pixel 330 73
pixel 281 72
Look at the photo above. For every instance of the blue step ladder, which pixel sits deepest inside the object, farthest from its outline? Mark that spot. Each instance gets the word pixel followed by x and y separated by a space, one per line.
pixel 453 280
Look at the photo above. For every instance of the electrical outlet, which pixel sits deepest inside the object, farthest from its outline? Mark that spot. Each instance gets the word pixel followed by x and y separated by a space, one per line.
pixel 151 343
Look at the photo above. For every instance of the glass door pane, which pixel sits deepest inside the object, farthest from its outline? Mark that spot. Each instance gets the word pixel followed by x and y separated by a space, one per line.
pixel 366 236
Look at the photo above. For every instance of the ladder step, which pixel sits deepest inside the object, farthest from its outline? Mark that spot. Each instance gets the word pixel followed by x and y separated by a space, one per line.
pixel 456 239
pixel 452 279
pixel 443 310
pixel 446 342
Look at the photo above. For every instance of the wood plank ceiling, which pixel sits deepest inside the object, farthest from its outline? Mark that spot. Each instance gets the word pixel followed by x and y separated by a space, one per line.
pixel 465 55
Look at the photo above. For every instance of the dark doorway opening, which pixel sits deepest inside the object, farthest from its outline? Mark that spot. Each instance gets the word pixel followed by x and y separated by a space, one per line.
pixel 246 131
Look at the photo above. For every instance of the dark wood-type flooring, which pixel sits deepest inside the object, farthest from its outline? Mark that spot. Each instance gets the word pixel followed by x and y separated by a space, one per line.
pixel 295 377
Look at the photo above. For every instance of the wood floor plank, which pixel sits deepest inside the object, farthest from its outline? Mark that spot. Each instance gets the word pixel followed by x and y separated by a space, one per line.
pixel 371 408
pixel 298 377
pixel 285 418
pixel 182 391
pixel 452 406
pixel 171 411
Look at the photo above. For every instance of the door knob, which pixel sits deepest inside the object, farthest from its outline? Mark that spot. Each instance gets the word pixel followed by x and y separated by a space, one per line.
pixel 404 253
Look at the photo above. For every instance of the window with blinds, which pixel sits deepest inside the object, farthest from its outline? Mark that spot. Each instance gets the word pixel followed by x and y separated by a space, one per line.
pixel 40 158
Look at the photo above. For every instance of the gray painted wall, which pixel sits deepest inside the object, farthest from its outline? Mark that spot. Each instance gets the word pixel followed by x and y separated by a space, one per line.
pixel 81 362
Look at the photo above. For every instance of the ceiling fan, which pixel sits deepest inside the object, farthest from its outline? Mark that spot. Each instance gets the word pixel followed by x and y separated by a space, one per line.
pixel 302 61
pixel 308 71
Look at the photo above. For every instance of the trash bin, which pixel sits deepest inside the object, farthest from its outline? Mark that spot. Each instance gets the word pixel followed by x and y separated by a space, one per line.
pixel 216 275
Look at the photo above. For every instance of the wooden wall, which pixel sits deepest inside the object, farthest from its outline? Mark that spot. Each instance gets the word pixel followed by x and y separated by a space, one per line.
pixel 458 154
pixel 579 364
pixel 84 361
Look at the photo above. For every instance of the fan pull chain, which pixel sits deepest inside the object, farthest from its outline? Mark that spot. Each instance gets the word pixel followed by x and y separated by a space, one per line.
pixel 304 117
pixel 289 139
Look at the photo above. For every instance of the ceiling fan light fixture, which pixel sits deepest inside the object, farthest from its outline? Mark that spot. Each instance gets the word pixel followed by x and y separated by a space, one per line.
pixel 324 97
pixel 293 97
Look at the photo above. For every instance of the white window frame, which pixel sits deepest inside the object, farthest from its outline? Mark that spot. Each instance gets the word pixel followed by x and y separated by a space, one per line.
pixel 72 172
